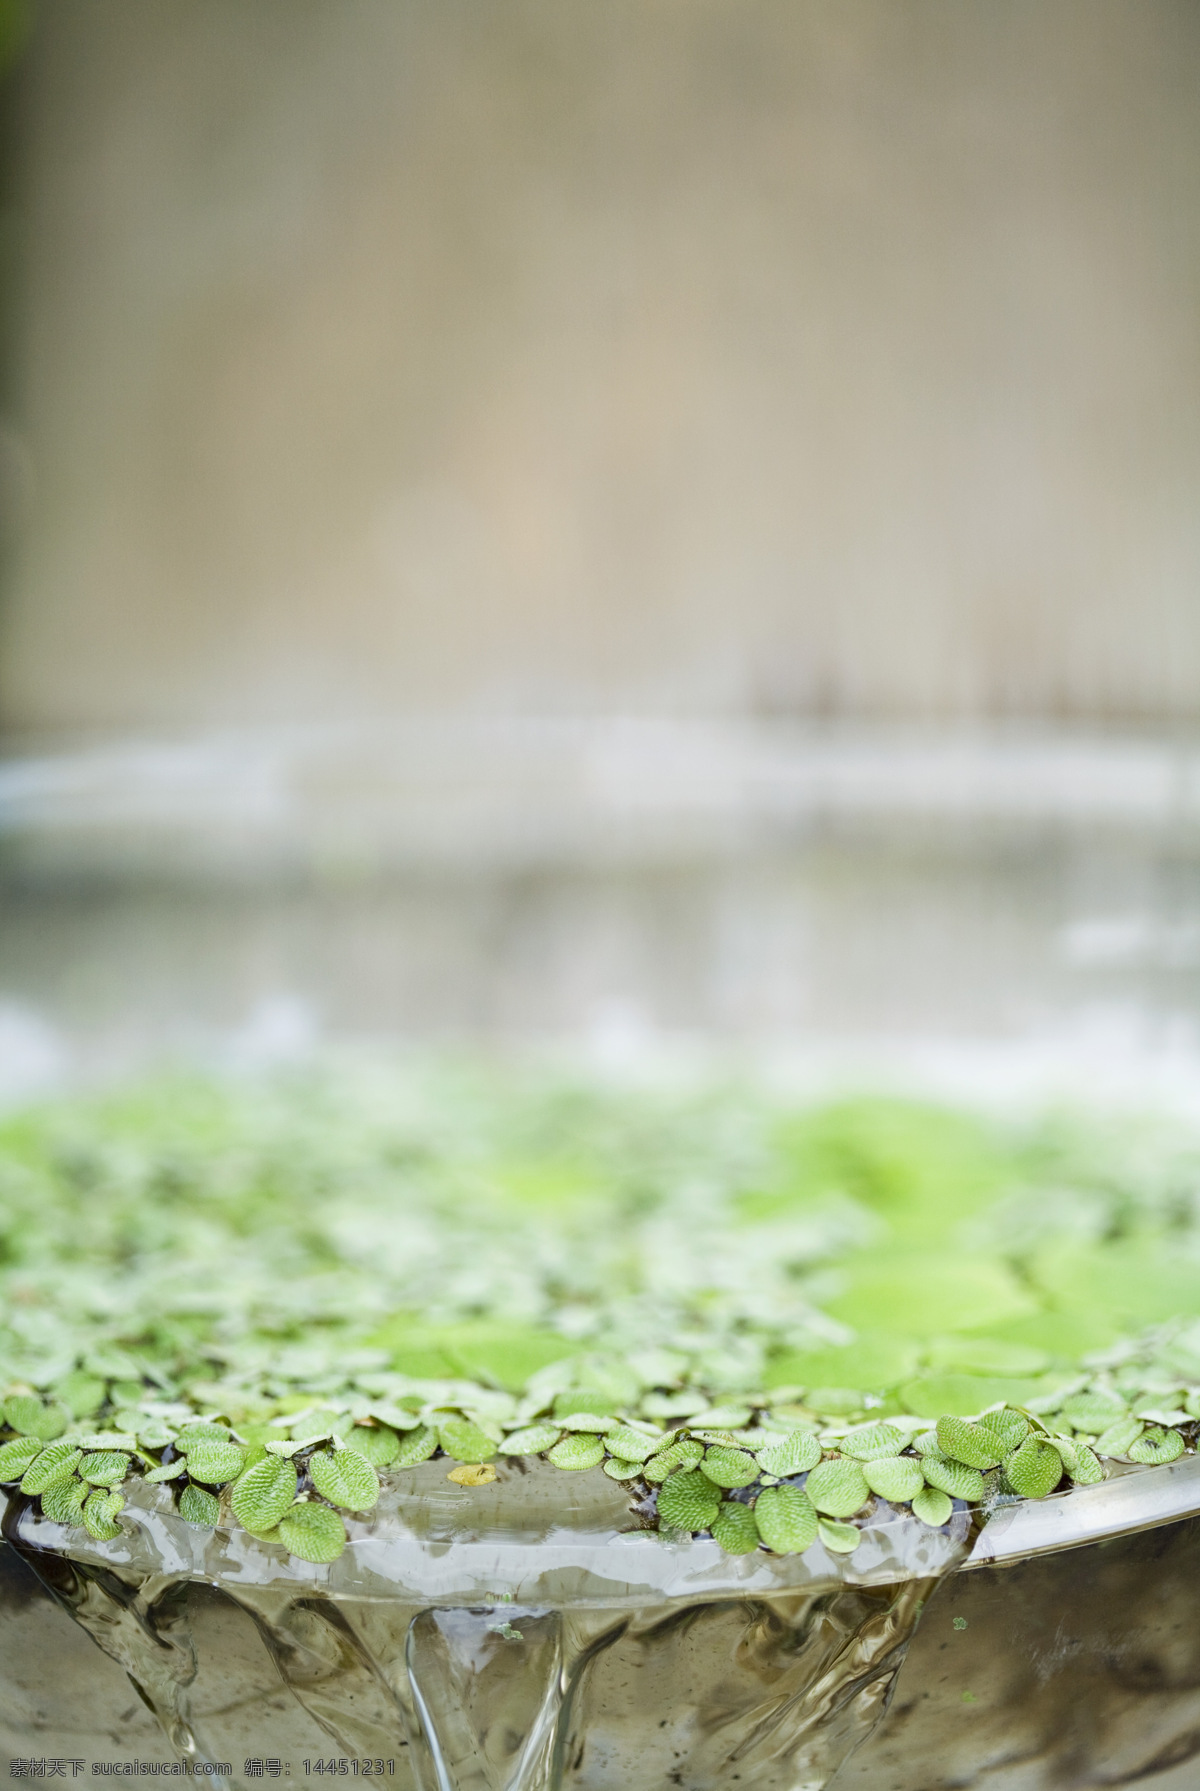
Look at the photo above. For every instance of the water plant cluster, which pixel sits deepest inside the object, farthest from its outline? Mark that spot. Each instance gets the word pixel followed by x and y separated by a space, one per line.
pixel 767 1321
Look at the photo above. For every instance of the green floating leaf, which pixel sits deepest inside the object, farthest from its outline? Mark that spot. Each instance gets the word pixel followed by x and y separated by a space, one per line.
pixel 1035 1469
pixel 201 1431
pixel 1088 1470
pixel 1093 1412
pixel 99 1514
pixel 873 1442
pixel 31 1418
pixel 729 1468
pixel 933 1507
pixel 721 1417
pixel 589 1421
pixel 107 1467
pixel 1008 1427
pixel 622 1470
pixel 154 1433
pixel 1067 1451
pixel 953 1478
pixel 1120 1437
pixel 416 1446
pixel 840 1539
pixel 63 1502
pixel 58 1462
pixel 81 1393
pixel 684 1454
pixel 795 1453
pixel 263 1493
pixel 312 1533
pixel 376 1443
pixel 17 1456
pixel 1154 1448
pixel 838 1487
pixel 631 1445
pixel 197 1506
pixel 577 1452
pixel 345 1478
pixel 897 1478
pixel 107 1439
pixel 688 1501
pixel 972 1444
pixel 215 1463
pixel 463 1441
pixel 786 1519
pixel 734 1528
pixel 590 1402
pixel 535 1439
pixel 170 1470
pixel 836 1402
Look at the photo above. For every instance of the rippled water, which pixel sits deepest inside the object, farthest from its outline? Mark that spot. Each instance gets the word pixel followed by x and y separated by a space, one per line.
pixel 500 1651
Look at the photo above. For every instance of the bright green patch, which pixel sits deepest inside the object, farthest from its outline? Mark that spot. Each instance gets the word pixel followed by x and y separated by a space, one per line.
pixel 838 1487
pixel 264 1492
pixel 786 1519
pixel 688 1501
pixel 734 1528
pixel 198 1506
pixel 345 1478
pixel 312 1533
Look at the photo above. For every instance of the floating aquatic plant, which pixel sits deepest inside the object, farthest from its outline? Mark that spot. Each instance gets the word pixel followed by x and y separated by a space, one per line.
pixel 764 1323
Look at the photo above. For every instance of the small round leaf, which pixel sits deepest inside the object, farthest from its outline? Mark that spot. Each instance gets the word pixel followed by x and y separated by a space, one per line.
pixel 577 1452
pixel 957 1481
pixel 63 1502
pixel 839 1539
pixel 264 1492
pixel 688 1501
pixel 1035 1469
pixel 960 1440
pixel 933 1507
pixel 729 1468
pixel 464 1441
pixel 416 1446
pixel 17 1456
pixel 99 1514
pixel 1154 1448
pixel 312 1532
pixel 215 1463
pixel 108 1467
pixel 786 1519
pixel 837 1487
pixel 875 1442
pixel 376 1443
pixel 58 1462
pixel 345 1478
pixel 795 1453
pixel 197 1506
pixel 734 1528
pixel 534 1439
pixel 898 1478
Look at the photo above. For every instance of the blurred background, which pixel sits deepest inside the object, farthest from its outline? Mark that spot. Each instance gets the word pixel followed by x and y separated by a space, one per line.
pixel 634 526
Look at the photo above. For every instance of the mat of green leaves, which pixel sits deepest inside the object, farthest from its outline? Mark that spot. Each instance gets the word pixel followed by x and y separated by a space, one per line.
pixel 764 1320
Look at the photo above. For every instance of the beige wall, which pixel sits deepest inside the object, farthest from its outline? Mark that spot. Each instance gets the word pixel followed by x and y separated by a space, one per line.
pixel 815 355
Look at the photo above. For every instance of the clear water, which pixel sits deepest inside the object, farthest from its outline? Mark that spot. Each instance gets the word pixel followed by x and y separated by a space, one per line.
pixel 502 1647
